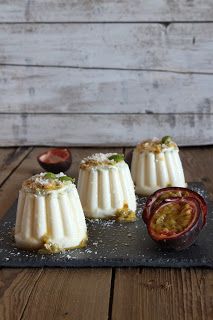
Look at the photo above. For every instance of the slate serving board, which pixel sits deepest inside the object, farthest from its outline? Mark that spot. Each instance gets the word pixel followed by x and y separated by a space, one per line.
pixel 112 244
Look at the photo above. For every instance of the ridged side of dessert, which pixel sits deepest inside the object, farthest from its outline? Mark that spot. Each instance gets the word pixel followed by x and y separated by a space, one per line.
pixel 155 165
pixel 106 188
pixel 50 217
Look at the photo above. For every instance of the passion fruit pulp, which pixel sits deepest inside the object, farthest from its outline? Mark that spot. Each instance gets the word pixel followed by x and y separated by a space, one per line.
pixel 176 223
pixel 55 160
pixel 172 192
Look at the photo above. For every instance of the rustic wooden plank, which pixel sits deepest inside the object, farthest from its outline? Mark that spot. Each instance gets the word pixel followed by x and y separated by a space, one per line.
pixel 76 291
pixel 70 294
pixel 182 47
pixel 119 10
pixel 163 293
pixel 197 163
pixel 10 158
pixel 65 90
pixel 16 287
pixel 105 129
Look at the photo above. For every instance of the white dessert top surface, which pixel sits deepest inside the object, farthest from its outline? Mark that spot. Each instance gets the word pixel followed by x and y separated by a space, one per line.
pixel 47 181
pixel 102 160
pixel 157 145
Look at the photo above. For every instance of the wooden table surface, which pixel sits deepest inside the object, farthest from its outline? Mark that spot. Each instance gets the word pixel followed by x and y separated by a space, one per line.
pixel 106 293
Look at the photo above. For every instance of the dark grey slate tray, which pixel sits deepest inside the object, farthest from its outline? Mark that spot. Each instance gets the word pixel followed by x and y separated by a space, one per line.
pixel 112 244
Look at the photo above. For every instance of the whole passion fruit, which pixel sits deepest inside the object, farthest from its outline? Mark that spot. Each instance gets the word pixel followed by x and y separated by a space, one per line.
pixel 173 192
pixel 176 223
pixel 55 160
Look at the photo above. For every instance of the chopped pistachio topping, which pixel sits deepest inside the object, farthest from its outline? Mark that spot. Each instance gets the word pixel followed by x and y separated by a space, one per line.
pixel 166 140
pixel 49 175
pixel 66 178
pixel 117 157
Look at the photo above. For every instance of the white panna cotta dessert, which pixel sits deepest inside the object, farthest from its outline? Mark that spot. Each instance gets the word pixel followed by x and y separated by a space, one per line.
pixel 156 164
pixel 106 188
pixel 49 214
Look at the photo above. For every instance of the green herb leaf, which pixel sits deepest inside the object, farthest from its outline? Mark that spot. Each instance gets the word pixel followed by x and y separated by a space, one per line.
pixel 117 157
pixel 66 178
pixel 50 175
pixel 166 140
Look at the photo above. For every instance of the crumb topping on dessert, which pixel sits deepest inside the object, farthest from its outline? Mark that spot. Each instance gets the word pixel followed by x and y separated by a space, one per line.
pixel 157 145
pixel 46 181
pixel 101 159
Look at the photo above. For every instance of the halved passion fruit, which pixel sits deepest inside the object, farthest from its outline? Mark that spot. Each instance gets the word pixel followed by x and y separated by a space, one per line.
pixel 175 223
pixel 173 192
pixel 55 160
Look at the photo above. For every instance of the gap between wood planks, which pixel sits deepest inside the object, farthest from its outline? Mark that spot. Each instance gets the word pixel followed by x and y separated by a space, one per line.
pixel 164 23
pixel 104 68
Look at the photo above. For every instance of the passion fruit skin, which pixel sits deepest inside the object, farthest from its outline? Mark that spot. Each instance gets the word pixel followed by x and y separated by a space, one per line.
pixel 185 238
pixel 59 166
pixel 152 200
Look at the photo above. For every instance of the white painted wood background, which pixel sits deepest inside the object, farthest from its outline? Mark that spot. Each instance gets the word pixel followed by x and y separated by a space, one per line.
pixel 105 73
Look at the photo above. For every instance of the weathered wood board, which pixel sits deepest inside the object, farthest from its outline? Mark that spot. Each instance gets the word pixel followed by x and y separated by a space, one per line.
pixel 124 70
pixel 184 47
pixel 96 10
pixel 103 129
pixel 65 90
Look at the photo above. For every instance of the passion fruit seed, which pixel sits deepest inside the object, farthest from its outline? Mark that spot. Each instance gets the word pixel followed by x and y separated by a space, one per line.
pixel 50 175
pixel 173 217
pixel 166 140
pixel 117 157
pixel 66 178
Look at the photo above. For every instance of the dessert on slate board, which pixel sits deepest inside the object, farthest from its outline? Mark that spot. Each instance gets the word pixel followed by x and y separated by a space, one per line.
pixel 106 188
pixel 49 214
pixel 156 164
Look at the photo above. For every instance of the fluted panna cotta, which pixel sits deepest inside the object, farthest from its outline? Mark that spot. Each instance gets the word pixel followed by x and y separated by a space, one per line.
pixel 156 164
pixel 106 188
pixel 49 214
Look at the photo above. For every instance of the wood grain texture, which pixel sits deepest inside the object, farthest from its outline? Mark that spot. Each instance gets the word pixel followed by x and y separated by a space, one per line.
pixel 163 294
pixel 184 47
pixel 70 294
pixel 10 158
pixel 65 90
pixel 119 10
pixel 16 286
pixel 105 129
pixel 9 190
pixel 197 163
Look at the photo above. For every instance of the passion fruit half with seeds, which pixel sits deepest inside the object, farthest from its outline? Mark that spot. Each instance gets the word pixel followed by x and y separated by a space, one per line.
pixel 55 160
pixel 169 193
pixel 175 223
